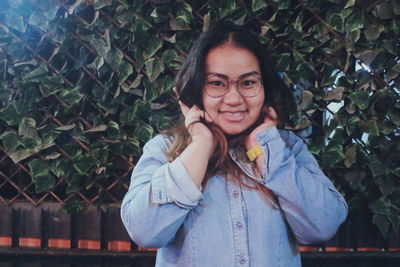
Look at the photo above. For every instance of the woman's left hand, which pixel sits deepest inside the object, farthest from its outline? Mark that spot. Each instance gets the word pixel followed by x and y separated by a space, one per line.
pixel 270 120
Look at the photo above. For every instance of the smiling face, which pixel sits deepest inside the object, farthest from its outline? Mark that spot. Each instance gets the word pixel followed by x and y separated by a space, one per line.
pixel 232 112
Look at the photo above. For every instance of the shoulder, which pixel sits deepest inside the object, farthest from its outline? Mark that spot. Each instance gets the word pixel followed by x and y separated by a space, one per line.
pixel 158 143
pixel 290 138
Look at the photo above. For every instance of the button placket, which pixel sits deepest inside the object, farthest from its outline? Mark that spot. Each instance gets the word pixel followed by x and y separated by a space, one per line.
pixel 238 224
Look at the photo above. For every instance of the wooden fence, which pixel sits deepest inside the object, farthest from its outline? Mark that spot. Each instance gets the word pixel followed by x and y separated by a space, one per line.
pixel 44 235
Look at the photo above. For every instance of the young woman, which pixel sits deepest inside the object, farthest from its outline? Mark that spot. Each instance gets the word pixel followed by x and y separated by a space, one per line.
pixel 226 187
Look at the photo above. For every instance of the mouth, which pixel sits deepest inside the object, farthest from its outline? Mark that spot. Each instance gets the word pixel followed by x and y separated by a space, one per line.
pixel 233 116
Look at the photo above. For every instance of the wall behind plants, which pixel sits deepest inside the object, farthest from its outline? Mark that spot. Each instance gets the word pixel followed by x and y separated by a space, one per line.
pixel 85 83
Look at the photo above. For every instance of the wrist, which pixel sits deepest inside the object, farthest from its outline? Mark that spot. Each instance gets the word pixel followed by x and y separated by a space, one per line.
pixel 205 145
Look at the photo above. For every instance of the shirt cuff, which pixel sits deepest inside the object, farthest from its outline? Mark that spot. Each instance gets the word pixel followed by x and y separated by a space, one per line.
pixel 180 185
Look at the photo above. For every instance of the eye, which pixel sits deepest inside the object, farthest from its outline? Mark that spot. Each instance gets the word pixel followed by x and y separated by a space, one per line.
pixel 216 83
pixel 248 83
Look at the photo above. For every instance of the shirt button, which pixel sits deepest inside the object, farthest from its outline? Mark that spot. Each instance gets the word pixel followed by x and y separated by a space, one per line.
pixel 242 260
pixel 239 226
pixel 235 194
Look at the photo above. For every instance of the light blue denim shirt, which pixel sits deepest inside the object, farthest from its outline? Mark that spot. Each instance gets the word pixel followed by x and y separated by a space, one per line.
pixel 225 224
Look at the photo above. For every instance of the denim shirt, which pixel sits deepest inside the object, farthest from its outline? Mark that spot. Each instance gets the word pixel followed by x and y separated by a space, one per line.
pixel 225 224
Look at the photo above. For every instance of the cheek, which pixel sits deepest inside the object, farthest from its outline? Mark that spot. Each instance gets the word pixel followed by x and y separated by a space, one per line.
pixel 210 104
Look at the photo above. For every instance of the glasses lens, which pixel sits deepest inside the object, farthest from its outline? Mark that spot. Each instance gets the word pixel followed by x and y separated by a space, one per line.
pixel 250 86
pixel 216 86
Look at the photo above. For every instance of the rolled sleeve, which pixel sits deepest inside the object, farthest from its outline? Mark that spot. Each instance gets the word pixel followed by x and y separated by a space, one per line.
pixel 174 184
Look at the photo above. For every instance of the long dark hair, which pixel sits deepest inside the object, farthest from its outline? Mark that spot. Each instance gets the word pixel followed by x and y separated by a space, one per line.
pixel 190 79
pixel 189 84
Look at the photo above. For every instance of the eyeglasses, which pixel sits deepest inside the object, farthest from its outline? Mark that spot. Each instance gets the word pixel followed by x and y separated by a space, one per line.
pixel 218 85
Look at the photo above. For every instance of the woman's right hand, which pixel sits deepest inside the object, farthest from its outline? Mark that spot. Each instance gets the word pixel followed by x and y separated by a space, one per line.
pixel 198 131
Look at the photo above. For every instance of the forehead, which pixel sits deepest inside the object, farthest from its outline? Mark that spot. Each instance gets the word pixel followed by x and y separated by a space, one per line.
pixel 231 60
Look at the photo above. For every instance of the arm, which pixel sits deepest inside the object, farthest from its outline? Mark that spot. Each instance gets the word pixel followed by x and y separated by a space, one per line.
pixel 160 196
pixel 313 208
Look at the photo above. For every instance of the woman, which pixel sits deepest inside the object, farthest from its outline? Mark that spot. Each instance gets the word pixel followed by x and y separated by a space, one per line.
pixel 225 187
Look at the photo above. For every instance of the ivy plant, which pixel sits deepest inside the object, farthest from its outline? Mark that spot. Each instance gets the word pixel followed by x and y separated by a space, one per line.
pixel 86 83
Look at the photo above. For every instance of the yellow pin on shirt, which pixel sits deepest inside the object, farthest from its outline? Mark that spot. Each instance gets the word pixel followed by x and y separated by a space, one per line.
pixel 254 152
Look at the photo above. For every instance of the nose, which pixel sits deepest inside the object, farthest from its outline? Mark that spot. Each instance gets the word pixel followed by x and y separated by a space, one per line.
pixel 233 96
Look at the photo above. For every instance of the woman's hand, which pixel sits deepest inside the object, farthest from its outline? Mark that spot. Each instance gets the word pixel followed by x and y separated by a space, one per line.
pixel 198 130
pixel 270 120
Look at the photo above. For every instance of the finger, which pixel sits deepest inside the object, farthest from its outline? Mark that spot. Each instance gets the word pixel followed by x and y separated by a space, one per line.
pixel 185 109
pixel 207 117
pixel 271 114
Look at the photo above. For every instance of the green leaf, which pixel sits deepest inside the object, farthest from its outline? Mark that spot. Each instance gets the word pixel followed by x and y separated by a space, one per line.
pixel 125 70
pixel 15 21
pixel 144 132
pixel 379 207
pixel 60 167
pixel 335 94
pixel 332 155
pixel 396 67
pixel 384 10
pixel 377 167
pixel 38 72
pixel 351 40
pixel 39 20
pixel 43 182
pixel 370 127
pixel 73 205
pixel 283 4
pixel 350 3
pixel 373 31
pixel 100 46
pixel 65 127
pixel 382 223
pixel 10 141
pixel 354 22
pixel 154 68
pixel 98 4
pixel 350 155
pixel 84 163
pixel 283 61
pixel 27 128
pixel 100 128
pixel 21 154
pixel 71 97
pixel 387 185
pixel 257 5
pixel 394 115
pixel 114 58
pixel 356 180
pixel 38 167
pixel 336 21
pixel 10 115
pixel 361 99
pixel 75 182
pixel 226 7
pixel 154 44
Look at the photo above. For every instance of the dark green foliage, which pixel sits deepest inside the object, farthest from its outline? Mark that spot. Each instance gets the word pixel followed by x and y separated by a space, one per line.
pixel 86 83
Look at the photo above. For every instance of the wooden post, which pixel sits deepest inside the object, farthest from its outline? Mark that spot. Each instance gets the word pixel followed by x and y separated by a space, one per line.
pixel 5 226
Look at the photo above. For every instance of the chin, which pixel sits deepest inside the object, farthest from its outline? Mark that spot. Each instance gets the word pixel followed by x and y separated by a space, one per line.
pixel 232 131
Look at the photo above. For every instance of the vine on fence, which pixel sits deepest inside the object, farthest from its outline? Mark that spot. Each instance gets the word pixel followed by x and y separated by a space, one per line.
pixel 84 84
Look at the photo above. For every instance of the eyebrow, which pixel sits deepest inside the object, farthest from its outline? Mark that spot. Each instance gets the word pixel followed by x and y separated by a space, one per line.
pixel 247 74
